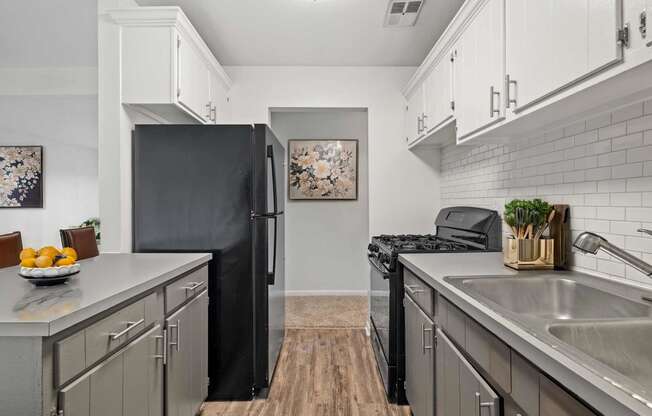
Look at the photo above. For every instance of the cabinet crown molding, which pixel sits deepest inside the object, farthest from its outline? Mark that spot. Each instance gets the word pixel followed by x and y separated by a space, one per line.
pixel 167 16
pixel 445 42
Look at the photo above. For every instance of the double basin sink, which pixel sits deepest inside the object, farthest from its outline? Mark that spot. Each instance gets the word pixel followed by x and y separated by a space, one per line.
pixel 603 324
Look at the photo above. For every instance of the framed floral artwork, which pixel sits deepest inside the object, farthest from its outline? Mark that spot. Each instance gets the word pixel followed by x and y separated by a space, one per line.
pixel 323 169
pixel 21 176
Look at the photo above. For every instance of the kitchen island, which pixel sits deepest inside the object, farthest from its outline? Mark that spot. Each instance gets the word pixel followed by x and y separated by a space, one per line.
pixel 534 373
pixel 62 344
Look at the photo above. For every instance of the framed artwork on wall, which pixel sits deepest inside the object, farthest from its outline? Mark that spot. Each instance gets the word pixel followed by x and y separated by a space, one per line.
pixel 21 176
pixel 323 169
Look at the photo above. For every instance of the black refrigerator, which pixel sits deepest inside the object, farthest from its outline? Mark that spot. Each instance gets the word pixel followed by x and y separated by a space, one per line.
pixel 221 189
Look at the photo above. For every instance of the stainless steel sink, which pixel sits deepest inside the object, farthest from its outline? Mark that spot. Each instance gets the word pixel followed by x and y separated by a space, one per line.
pixel 622 346
pixel 553 298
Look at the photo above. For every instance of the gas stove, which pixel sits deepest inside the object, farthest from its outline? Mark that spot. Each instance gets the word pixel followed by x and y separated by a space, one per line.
pixel 459 230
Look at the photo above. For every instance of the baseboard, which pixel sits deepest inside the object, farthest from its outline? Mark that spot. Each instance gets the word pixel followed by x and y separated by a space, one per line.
pixel 326 293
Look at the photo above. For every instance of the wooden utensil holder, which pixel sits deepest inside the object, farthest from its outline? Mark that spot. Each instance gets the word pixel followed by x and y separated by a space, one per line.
pixel 530 254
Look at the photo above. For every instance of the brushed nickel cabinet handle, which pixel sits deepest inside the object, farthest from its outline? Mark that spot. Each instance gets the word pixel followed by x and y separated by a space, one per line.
pixel 508 83
pixel 425 330
pixel 492 93
pixel 412 290
pixel 480 404
pixel 644 230
pixel 163 356
pixel 193 286
pixel 178 328
pixel 424 117
pixel 130 325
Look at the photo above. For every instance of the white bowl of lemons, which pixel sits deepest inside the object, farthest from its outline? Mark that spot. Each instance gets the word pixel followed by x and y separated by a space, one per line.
pixel 48 262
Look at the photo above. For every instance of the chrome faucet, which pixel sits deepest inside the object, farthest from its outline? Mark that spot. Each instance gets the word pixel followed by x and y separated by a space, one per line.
pixel 590 243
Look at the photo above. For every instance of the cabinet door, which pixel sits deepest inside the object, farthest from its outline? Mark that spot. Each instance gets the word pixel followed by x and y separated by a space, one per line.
pixel 218 99
pixel 193 82
pixel 75 399
pixel 552 44
pixel 187 365
pixel 479 70
pixel 413 120
pixel 448 377
pixel 438 95
pixel 107 389
pixel 420 366
pixel 143 375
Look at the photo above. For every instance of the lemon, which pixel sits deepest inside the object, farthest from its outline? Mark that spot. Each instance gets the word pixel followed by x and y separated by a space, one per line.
pixel 28 262
pixel 44 261
pixel 28 253
pixel 65 261
pixel 49 251
pixel 69 252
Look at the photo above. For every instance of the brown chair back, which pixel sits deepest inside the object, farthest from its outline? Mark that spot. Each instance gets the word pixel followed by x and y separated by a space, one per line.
pixel 82 240
pixel 10 247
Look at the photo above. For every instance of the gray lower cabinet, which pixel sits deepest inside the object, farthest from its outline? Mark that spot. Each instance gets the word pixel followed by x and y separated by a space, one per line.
pixel 465 392
pixel 420 360
pixel 186 370
pixel 128 383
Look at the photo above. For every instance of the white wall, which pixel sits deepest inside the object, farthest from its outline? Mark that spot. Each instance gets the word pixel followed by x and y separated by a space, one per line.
pixel 66 126
pixel 48 97
pixel 326 240
pixel 403 186
pixel 601 167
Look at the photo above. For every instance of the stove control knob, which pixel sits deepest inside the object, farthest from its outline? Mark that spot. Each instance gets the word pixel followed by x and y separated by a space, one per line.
pixel 373 248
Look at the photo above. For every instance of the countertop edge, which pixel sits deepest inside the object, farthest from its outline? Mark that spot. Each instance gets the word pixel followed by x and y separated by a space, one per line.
pixel 42 329
pixel 595 390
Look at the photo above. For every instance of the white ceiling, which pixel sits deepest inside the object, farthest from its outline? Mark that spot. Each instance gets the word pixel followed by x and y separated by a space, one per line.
pixel 48 33
pixel 313 32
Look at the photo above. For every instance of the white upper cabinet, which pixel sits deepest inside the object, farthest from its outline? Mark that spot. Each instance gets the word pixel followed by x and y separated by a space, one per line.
pixel 167 71
pixel 414 115
pixel 219 98
pixel 193 80
pixel 438 95
pixel 554 43
pixel 479 69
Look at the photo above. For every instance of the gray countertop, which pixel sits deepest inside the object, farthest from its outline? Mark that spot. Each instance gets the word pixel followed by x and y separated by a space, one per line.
pixel 104 281
pixel 596 390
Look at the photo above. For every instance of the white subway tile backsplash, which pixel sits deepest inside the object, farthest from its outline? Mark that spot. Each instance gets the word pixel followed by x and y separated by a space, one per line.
pixel 610 213
pixel 627 142
pixel 628 113
pixel 639 124
pixel 647 199
pixel 632 170
pixel 601 167
pixel 596 199
pixel 640 214
pixel 598 122
pixel 639 184
pixel 639 154
pixel 625 227
pixel 614 130
pixel 626 199
pixel 613 158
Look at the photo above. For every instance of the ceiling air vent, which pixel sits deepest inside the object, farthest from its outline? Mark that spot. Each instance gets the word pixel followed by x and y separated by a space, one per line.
pixel 403 13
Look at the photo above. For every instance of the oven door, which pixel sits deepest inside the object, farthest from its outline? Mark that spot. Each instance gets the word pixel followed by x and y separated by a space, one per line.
pixel 380 302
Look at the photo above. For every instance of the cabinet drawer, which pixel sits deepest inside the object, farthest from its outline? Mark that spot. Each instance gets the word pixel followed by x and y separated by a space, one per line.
pixel 453 320
pixel 80 350
pixel 422 294
pixel 114 330
pixel 525 385
pixel 490 353
pixel 188 286
pixel 69 357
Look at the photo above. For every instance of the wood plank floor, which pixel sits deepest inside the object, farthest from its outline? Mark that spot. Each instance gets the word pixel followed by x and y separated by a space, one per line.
pixel 321 372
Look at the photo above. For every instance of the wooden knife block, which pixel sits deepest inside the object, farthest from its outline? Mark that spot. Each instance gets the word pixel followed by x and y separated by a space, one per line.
pixel 560 232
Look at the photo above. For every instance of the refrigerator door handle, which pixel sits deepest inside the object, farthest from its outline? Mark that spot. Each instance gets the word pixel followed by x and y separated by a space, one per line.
pixel 271 275
pixel 253 215
pixel 270 155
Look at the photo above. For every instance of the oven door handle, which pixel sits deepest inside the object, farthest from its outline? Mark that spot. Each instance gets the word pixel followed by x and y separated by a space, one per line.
pixel 379 267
